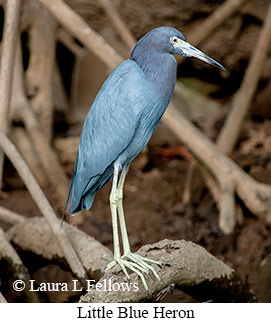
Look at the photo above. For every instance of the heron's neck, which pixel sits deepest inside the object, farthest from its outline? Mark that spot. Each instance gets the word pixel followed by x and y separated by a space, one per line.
pixel 160 69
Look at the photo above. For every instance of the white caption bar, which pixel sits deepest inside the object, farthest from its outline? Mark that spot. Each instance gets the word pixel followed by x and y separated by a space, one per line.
pixel 174 312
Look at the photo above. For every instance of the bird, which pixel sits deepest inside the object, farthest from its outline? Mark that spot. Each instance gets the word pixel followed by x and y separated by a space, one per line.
pixel 119 125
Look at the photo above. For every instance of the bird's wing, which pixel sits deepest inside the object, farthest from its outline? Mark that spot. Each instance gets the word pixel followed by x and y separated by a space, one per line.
pixel 110 124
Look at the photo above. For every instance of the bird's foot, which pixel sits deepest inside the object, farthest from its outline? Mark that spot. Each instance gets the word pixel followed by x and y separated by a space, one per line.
pixel 143 263
pixel 137 264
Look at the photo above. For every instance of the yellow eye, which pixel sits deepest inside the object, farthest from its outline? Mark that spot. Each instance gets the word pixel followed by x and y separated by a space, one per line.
pixel 174 40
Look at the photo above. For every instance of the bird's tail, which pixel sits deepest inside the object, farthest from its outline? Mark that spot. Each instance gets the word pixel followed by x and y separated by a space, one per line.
pixel 66 205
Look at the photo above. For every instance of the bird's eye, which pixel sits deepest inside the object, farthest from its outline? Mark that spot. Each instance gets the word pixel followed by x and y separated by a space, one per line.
pixel 174 40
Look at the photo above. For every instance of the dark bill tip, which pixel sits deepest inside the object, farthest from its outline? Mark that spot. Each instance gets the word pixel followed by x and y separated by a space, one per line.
pixel 214 63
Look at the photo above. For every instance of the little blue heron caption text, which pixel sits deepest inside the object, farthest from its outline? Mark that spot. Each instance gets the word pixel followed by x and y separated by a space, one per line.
pixel 128 312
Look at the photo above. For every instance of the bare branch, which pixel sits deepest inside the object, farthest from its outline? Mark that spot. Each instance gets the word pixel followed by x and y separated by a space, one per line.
pixel 186 265
pixel 10 216
pixel 23 143
pixel 70 43
pixel 13 8
pixel 242 100
pixel 118 23
pixel 227 217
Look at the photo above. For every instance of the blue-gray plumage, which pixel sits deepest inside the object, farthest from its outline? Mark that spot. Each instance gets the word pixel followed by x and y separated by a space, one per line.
pixel 117 128
pixel 120 123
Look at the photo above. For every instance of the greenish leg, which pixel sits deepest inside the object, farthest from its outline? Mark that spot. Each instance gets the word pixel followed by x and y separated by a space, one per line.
pixel 134 262
pixel 124 235
pixel 136 259
pixel 113 208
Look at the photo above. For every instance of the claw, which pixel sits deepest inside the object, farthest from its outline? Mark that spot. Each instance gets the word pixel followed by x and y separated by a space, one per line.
pixel 142 261
pixel 137 264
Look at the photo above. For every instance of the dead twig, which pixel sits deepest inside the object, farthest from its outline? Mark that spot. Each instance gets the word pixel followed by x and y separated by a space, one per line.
pixel 10 217
pixel 12 17
pixel 44 206
pixel 16 103
pixel 67 40
pixel 186 265
pixel 22 141
pixel 118 23
pixel 8 253
pixel 242 100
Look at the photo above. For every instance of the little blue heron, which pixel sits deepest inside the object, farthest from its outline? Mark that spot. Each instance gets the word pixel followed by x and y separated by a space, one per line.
pixel 118 126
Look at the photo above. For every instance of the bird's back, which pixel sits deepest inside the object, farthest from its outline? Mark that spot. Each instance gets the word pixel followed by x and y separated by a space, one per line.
pixel 118 126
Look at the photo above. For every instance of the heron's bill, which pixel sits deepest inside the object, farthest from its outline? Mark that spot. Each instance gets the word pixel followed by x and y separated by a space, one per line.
pixel 191 51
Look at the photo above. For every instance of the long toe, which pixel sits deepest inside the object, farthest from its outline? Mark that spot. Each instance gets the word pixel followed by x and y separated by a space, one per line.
pixel 142 262
pixel 159 263
pixel 135 266
pixel 110 265
pixel 121 263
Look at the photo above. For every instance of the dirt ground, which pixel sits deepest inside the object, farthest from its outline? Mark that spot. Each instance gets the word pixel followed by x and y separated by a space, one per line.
pixel 155 183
